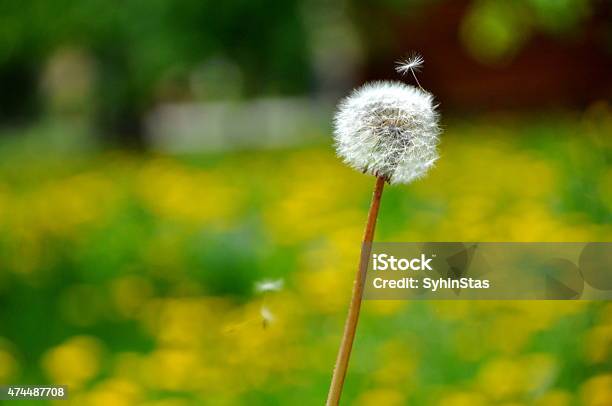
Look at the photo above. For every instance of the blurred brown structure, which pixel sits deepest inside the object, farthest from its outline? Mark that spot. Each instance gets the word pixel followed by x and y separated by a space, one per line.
pixel 547 72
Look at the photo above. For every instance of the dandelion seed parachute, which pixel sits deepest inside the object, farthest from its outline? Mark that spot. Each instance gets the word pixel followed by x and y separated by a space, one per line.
pixel 269 285
pixel 414 63
pixel 388 129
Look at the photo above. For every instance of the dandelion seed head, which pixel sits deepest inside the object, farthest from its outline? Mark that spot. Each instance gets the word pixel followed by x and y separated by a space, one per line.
pixel 269 285
pixel 267 317
pixel 388 129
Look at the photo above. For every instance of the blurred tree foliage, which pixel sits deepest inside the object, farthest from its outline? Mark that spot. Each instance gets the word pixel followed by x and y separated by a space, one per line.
pixel 506 25
pixel 138 44
pixel 147 51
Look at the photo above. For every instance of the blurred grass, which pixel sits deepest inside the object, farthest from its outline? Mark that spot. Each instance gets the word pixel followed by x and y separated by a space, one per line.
pixel 130 277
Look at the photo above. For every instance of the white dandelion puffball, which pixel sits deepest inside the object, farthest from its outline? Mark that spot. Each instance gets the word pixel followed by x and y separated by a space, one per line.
pixel 388 129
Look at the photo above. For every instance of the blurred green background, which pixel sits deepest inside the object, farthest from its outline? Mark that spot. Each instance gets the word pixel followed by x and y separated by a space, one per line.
pixel 158 159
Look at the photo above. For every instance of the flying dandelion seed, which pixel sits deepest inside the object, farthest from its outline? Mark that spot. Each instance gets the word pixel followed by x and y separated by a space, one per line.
pixel 267 317
pixel 411 64
pixel 269 285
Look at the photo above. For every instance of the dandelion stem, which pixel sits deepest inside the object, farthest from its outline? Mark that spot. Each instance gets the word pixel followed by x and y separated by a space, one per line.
pixel 344 353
